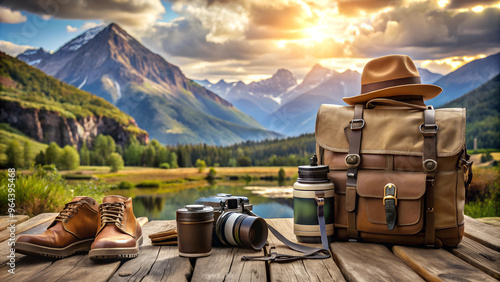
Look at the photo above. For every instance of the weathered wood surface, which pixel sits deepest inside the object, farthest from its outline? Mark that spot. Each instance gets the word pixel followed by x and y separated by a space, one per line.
pixel 480 256
pixel 370 262
pixel 471 261
pixel 439 265
pixel 229 266
pixel 302 270
pixel 4 247
pixel 28 224
pixel 494 221
pixel 72 268
pixel 6 220
pixel 155 263
pixel 482 233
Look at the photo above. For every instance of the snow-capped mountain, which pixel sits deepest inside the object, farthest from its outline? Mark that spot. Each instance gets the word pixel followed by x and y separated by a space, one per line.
pixel 321 86
pixel 221 88
pixel 170 106
pixel 82 39
pixel 33 56
pixel 260 99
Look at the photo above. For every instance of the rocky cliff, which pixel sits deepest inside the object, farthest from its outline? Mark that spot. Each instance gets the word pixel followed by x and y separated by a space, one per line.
pixel 48 126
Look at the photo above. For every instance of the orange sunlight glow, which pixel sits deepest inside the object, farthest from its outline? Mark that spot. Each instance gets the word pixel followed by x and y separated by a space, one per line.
pixel 478 9
pixel 450 63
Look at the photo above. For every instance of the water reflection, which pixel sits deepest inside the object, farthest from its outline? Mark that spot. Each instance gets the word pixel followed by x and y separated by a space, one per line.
pixel 163 206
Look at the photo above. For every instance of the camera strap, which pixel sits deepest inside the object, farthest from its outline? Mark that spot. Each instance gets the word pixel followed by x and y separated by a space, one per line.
pixel 308 252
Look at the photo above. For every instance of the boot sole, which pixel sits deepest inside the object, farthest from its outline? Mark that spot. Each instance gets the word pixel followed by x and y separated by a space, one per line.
pixel 115 253
pixel 58 253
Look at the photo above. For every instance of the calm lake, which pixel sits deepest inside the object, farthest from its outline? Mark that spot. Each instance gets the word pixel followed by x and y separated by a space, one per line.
pixel 157 204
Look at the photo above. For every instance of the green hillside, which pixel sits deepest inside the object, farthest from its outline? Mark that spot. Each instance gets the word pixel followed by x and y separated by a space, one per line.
pixel 8 134
pixel 32 88
pixel 483 114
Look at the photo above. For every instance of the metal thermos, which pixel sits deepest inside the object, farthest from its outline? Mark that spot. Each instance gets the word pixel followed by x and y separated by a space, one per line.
pixel 312 185
pixel 194 230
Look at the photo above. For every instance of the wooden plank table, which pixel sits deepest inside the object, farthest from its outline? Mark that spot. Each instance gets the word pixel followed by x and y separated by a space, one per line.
pixel 476 259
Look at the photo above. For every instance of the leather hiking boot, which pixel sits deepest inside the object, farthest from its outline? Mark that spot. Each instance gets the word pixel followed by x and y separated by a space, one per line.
pixel 119 234
pixel 73 230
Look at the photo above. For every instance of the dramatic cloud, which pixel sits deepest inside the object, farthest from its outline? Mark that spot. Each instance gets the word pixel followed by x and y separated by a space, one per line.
pixel 131 13
pixel 250 39
pixel 13 49
pixel 71 29
pixel 12 17
pixel 356 8
pixel 424 31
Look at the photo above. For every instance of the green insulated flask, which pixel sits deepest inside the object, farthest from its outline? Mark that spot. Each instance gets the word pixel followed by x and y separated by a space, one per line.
pixel 312 188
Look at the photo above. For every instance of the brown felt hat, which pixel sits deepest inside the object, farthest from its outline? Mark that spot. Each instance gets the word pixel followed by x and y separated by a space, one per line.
pixel 389 76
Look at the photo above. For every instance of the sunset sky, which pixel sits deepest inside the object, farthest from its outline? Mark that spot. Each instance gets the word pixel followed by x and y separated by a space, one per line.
pixel 250 40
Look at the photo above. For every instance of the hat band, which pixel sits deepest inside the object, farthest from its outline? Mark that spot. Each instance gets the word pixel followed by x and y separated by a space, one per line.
pixel 389 83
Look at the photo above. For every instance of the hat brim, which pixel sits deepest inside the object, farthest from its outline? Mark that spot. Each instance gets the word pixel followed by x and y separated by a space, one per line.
pixel 427 91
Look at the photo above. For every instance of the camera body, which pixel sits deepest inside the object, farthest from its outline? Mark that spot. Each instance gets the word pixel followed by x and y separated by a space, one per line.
pixel 223 202
pixel 235 223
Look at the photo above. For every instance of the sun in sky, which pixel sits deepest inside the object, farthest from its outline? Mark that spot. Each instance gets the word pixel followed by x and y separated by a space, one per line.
pixel 251 39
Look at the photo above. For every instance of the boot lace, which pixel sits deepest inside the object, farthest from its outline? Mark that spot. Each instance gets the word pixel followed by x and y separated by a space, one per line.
pixel 69 210
pixel 112 213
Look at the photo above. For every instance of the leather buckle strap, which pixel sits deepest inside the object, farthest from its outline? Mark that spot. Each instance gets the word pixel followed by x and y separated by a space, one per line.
pixel 390 202
pixel 390 193
pixel 429 131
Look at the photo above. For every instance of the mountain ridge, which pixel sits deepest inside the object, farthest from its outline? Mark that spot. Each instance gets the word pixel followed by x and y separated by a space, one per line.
pixel 173 108
pixel 466 78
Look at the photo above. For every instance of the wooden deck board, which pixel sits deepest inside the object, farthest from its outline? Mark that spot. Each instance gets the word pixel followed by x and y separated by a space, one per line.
pixel 28 224
pixel 6 220
pixel 480 256
pixel 370 262
pixel 229 266
pixel 303 270
pixel 483 233
pixel 4 248
pixel 140 267
pixel 439 265
pixel 473 260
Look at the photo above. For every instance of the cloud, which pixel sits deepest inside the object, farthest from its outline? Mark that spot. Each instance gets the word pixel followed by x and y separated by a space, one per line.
pixel 132 13
pixel 356 8
pixel 71 29
pixel 12 17
pixel 447 65
pixel 423 31
pixel 13 49
pixel 89 25
pixel 465 4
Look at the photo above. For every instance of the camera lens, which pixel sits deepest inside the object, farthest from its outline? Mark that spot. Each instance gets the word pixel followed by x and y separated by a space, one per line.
pixel 242 230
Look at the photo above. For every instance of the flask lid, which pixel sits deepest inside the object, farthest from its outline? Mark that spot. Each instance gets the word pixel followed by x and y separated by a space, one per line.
pixel 195 213
pixel 313 173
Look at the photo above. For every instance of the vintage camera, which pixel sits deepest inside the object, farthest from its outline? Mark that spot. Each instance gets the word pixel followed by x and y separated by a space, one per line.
pixel 235 223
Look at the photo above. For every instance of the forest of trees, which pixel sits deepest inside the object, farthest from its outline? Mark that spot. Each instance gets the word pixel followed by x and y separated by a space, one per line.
pixel 103 151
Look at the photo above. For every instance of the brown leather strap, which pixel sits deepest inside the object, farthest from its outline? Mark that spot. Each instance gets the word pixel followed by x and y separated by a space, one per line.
pixel 389 83
pixel 384 101
pixel 352 161
pixel 429 131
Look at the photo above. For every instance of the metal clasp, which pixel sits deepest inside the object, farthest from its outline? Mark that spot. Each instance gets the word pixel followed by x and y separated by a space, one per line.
pixel 320 199
pixel 390 186
pixel 429 165
pixel 357 121
pixel 427 127
pixel 352 160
